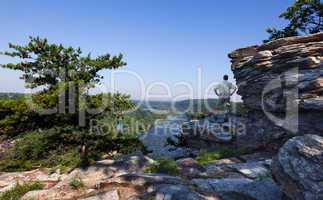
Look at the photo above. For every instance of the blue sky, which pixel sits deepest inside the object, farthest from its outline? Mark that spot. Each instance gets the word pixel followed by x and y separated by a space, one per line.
pixel 162 40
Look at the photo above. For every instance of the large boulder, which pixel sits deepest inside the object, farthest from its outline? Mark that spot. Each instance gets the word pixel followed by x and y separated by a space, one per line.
pixel 240 188
pixel 211 131
pixel 276 80
pixel 298 168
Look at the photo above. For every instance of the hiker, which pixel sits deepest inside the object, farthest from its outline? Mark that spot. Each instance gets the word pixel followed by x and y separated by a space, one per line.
pixel 224 91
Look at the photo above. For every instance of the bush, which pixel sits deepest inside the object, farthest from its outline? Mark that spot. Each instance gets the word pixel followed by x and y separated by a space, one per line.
pixel 164 166
pixel 76 183
pixel 18 117
pixel 206 157
pixel 40 149
pixel 57 147
pixel 60 148
pixel 15 116
pixel 19 190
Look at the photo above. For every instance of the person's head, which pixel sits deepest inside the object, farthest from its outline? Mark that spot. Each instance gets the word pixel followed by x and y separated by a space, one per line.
pixel 225 77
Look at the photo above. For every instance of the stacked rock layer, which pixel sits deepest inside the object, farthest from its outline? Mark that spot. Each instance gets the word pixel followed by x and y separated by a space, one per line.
pixel 281 84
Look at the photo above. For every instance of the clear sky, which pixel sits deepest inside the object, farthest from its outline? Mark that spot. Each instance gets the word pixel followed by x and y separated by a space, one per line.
pixel 162 40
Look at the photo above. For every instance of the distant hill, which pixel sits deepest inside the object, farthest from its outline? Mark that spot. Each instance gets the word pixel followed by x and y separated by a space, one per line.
pixel 193 105
pixel 10 95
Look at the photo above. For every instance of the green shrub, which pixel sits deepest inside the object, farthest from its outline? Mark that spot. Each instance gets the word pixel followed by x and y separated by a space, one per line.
pixel 59 148
pixel 164 166
pixel 15 116
pixel 206 157
pixel 40 149
pixel 120 143
pixel 127 145
pixel 31 146
pixel 19 190
pixel 64 161
pixel 76 183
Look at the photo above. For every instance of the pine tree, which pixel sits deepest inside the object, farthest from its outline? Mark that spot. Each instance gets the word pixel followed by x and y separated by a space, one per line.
pixel 304 16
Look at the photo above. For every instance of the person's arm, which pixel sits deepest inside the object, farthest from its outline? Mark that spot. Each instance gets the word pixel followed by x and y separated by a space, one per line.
pixel 217 86
pixel 234 89
pixel 216 91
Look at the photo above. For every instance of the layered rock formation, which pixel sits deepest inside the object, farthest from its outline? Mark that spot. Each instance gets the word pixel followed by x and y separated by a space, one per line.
pixel 211 132
pixel 298 168
pixel 281 83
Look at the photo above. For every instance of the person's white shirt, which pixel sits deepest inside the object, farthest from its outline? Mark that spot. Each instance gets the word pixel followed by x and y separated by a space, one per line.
pixel 224 89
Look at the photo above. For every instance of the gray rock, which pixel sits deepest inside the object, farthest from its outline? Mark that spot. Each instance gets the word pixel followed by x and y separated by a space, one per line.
pixel 251 169
pixel 170 152
pixel 258 156
pixel 176 192
pixel 138 179
pixel 190 168
pixel 225 161
pixel 110 168
pixel 221 171
pixel 214 170
pixel 298 168
pixel 112 195
pixel 208 133
pixel 133 163
pixel 240 188
pixel 8 180
pixel 154 186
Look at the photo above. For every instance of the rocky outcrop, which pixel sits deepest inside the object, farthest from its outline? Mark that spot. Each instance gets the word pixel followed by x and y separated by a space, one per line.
pixel 9 180
pixel 90 177
pixel 240 188
pixel 156 140
pixel 298 168
pixel 154 186
pixel 281 83
pixel 239 178
pixel 211 131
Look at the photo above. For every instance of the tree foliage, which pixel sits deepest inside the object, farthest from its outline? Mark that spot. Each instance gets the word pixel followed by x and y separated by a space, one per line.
pixel 65 76
pixel 48 122
pixel 50 64
pixel 304 16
